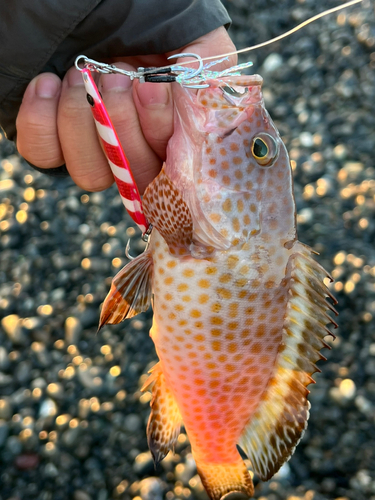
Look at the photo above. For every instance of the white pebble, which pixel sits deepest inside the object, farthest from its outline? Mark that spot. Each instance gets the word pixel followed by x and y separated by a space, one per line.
pixel 306 139
pixel 272 63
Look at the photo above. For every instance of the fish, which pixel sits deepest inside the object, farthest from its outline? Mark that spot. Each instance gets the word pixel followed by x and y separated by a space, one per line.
pixel 240 306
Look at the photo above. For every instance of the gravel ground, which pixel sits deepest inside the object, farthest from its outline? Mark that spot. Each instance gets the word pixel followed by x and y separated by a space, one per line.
pixel 72 418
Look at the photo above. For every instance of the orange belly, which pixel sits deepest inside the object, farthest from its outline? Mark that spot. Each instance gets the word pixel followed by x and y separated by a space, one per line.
pixel 217 338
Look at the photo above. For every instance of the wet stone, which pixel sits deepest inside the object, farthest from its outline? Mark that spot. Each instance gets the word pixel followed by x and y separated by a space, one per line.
pixel 151 489
pixel 132 423
pixel 4 432
pixel 81 495
pixel 12 327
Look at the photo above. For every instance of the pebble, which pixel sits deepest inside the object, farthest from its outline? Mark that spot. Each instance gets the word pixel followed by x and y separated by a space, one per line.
pixel 151 489
pixel 144 464
pixel 4 431
pixel 73 330
pixel 4 360
pixel 27 461
pixel 51 470
pixel 81 495
pixel 5 409
pixel 272 63
pixel 132 423
pixel 12 327
pixel 48 408
pixel 306 139
pixel 13 445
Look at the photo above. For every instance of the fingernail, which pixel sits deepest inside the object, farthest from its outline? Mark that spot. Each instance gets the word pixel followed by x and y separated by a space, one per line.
pixel 75 79
pixel 153 95
pixel 47 87
pixel 116 82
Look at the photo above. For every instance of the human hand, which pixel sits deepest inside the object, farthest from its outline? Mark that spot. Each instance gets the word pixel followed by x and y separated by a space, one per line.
pixel 55 125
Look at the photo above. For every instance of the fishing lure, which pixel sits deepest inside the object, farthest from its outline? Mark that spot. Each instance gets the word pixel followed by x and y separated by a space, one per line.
pixel 115 154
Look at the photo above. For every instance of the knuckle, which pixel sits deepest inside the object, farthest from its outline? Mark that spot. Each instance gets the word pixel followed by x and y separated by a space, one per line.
pixel 94 179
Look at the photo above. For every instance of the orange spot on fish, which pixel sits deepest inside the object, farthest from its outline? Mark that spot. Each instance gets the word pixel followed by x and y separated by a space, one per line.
pixel 216 307
pixel 204 283
pixel 216 345
pixel 211 270
pixel 216 332
pixel 216 218
pixel 203 298
pixel 224 293
pixel 188 273
pixel 195 313
pixel 227 205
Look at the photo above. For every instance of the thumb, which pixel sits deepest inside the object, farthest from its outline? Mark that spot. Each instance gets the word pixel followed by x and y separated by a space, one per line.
pixel 37 135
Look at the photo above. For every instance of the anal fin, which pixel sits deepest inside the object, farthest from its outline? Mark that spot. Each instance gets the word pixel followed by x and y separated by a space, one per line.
pixel 270 438
pixel 130 291
pixel 167 211
pixel 164 422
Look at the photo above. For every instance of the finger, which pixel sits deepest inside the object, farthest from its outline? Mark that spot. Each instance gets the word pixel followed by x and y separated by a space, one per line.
pixel 118 97
pixel 212 44
pixel 155 110
pixel 37 136
pixel 83 154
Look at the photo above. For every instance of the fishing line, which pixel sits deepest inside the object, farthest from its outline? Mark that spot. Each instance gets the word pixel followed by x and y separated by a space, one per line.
pixel 280 37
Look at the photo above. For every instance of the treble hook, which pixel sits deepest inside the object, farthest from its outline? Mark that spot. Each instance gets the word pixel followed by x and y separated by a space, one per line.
pixel 189 72
pixel 145 238
pixel 127 248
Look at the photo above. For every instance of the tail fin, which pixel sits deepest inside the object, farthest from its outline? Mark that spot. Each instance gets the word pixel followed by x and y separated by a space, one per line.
pixel 223 479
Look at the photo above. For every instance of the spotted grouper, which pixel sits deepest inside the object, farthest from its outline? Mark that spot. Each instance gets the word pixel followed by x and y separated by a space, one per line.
pixel 240 307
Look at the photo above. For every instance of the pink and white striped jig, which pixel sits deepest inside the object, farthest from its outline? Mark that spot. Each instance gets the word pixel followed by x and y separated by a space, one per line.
pixel 115 155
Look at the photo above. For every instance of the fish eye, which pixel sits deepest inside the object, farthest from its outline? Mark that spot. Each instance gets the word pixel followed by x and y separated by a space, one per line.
pixel 264 149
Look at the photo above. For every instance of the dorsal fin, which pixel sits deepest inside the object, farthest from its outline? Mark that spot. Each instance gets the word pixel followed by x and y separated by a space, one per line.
pixel 167 211
pixel 271 436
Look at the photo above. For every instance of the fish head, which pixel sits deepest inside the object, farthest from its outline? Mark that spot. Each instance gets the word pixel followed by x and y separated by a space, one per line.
pixel 228 158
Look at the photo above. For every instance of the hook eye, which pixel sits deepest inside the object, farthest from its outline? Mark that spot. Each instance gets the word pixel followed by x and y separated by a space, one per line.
pixel 78 59
pixel 189 72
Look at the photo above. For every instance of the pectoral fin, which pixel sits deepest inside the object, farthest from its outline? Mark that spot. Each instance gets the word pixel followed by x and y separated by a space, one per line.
pixel 165 420
pixel 130 291
pixel 167 211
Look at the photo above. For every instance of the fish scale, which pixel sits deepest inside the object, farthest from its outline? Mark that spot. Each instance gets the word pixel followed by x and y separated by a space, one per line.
pixel 239 303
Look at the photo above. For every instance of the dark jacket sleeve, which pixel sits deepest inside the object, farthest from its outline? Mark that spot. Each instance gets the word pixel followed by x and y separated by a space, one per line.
pixel 47 35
